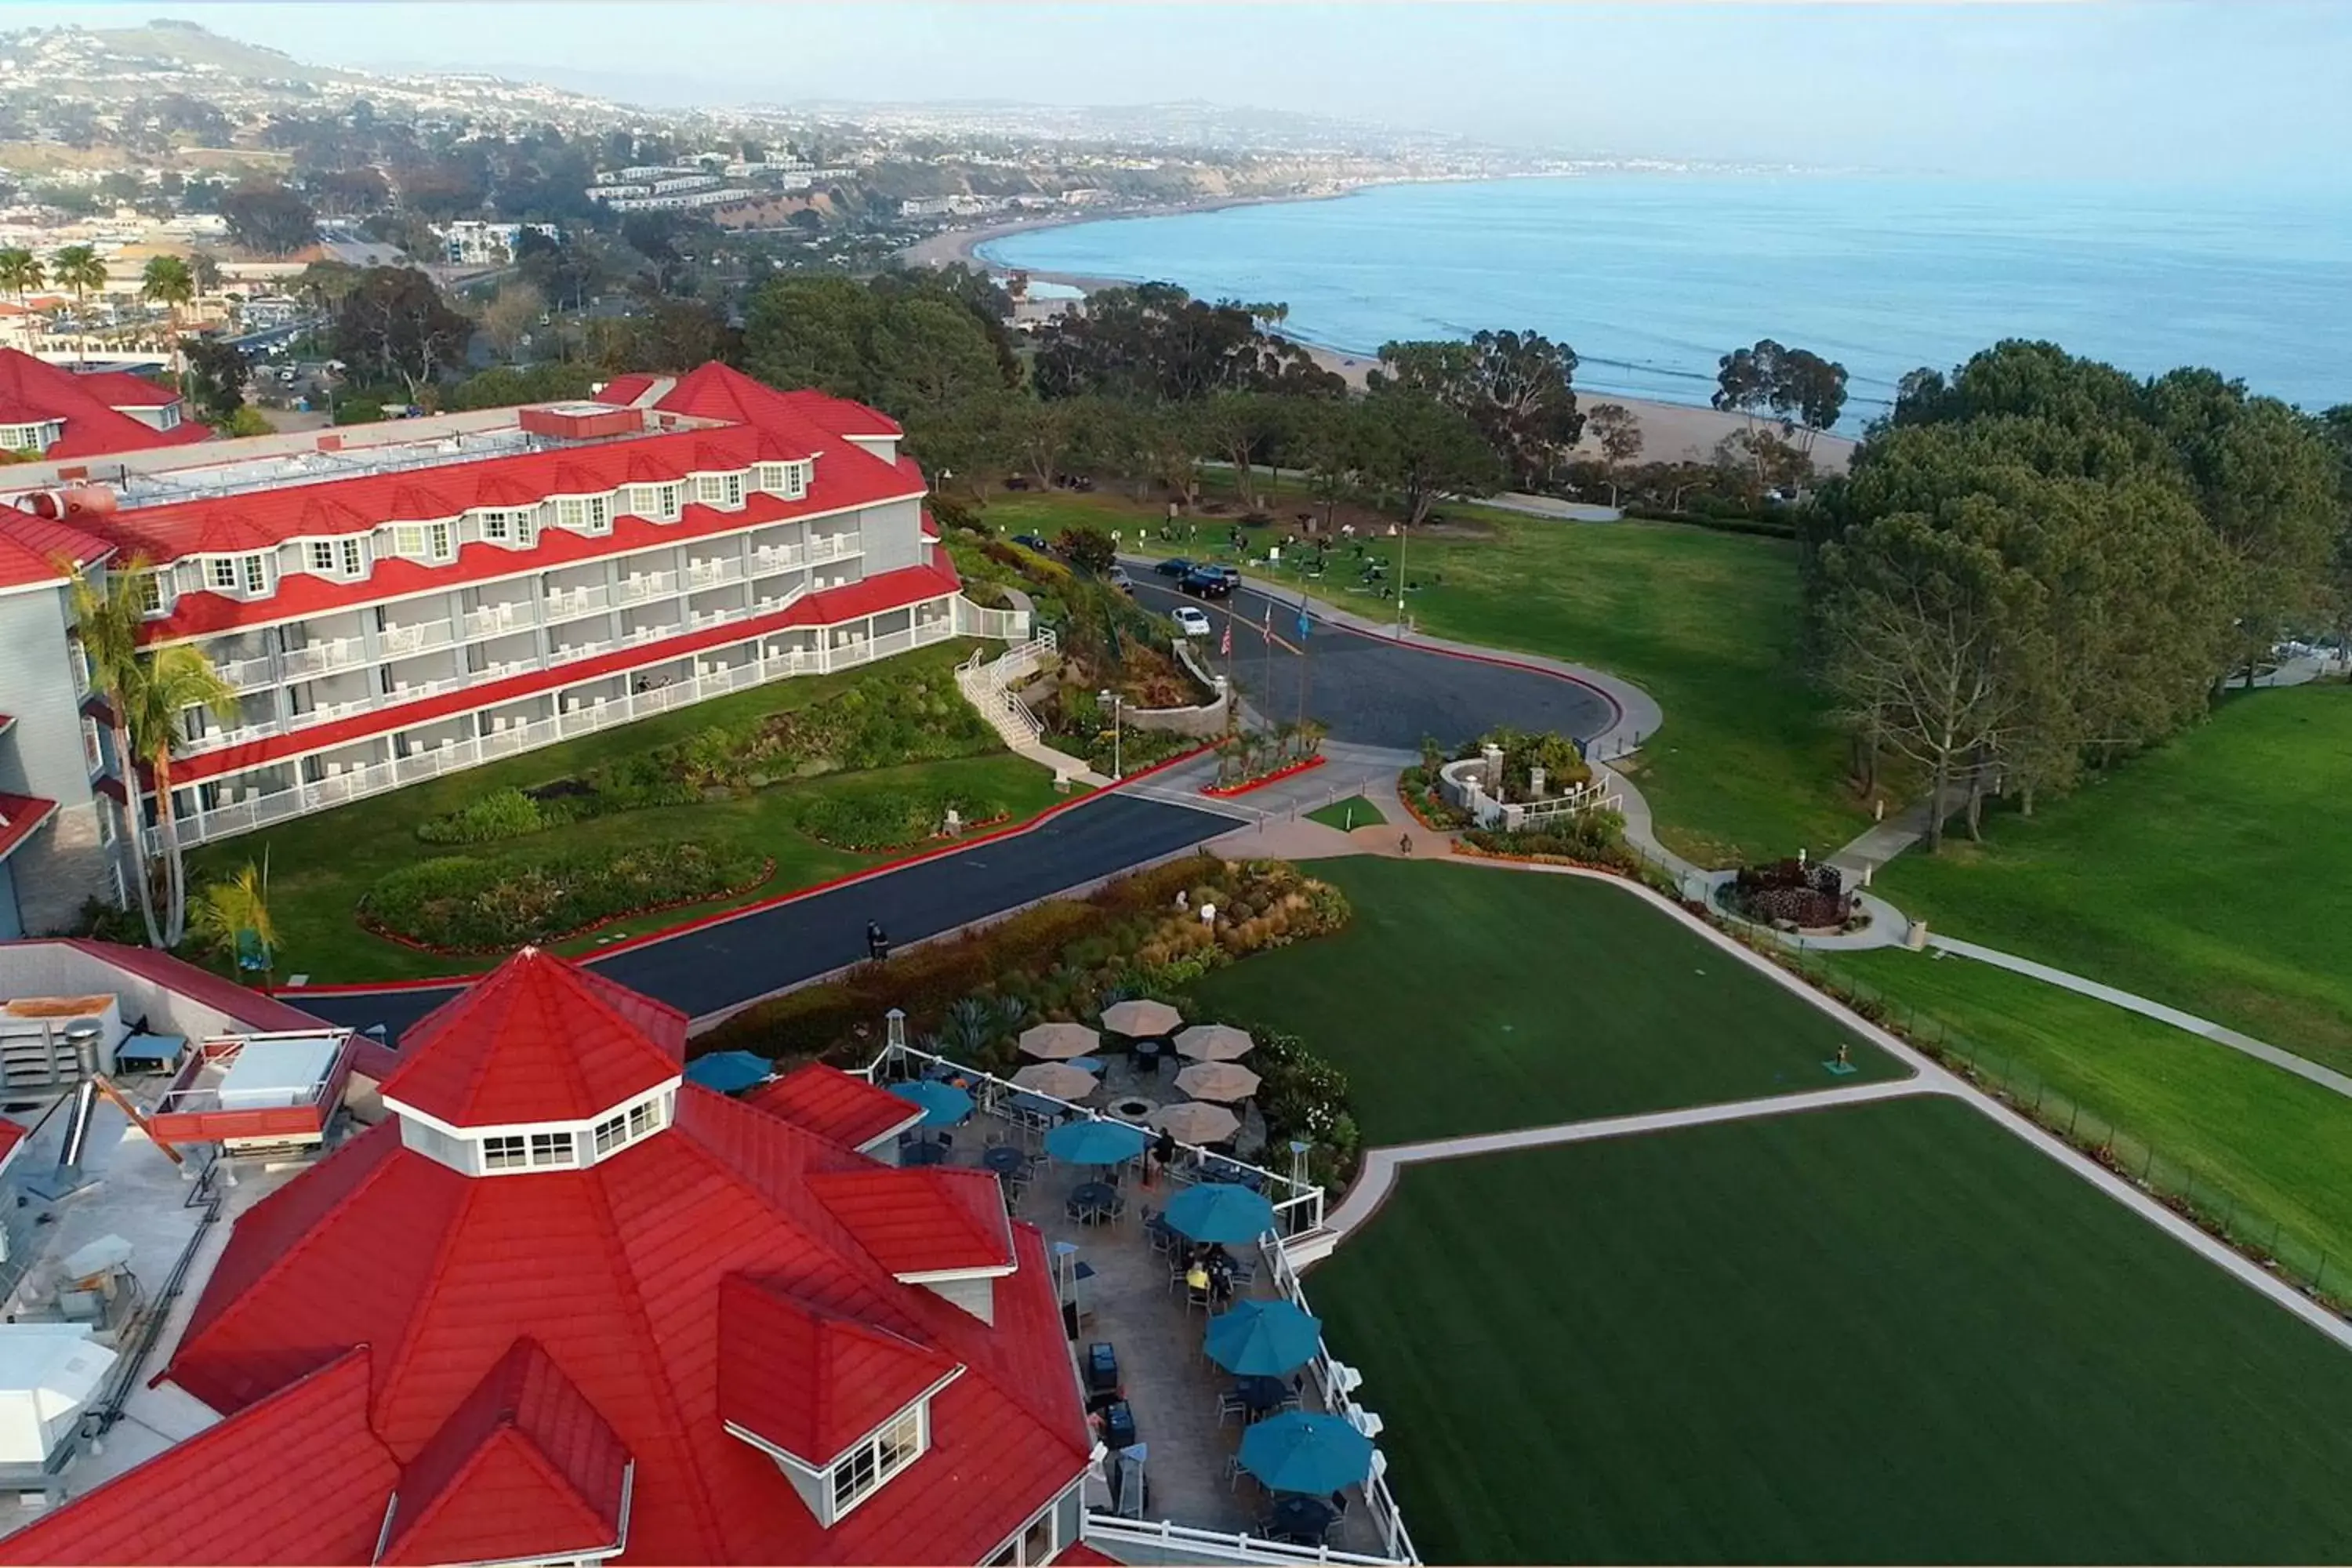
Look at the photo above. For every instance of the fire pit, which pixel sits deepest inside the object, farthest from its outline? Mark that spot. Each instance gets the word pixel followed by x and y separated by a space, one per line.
pixel 1131 1108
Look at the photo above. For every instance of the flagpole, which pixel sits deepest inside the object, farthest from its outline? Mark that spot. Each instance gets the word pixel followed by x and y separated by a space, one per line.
pixel 1306 669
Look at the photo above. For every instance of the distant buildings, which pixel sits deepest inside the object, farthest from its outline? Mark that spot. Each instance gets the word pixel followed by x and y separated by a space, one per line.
pixel 471 242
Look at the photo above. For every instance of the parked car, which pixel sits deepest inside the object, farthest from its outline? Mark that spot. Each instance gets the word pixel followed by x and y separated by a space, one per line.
pixel 1174 567
pixel 1031 541
pixel 1121 581
pixel 1206 583
pixel 1191 622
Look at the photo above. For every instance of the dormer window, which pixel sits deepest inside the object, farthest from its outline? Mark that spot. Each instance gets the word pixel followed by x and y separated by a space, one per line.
pixel 541 1146
pixel 724 492
pixel 659 502
pixel 147 593
pixel 862 1473
pixel 336 557
pixel 38 435
pixel 516 527
pixel 246 575
pixel 789 480
pixel 426 542
pixel 584 514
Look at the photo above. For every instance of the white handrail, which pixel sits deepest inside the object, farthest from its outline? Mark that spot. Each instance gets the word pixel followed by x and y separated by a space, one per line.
pixel 1186 1544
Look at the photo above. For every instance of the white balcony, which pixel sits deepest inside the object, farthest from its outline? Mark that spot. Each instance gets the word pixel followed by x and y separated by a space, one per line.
pixel 323 658
pixel 489 620
pixel 651 585
pixel 570 651
pixel 396 641
pixel 418 690
pixel 221 739
pixel 247 674
pixel 563 604
pixel 710 573
pixel 326 712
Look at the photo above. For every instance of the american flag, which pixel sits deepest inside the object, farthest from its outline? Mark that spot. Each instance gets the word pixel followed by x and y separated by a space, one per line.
pixel 1226 648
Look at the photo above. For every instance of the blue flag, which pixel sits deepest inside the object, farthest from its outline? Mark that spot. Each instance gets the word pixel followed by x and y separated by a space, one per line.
pixel 1302 618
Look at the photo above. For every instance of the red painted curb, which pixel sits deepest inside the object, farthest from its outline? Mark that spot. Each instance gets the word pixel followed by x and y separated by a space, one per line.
pixel 1226 792
pixel 722 916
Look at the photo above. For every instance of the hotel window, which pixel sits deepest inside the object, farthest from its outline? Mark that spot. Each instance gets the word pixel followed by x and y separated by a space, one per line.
pixel 571 512
pixel 879 1458
pixel 148 588
pixel 503 1154
pixel 421 541
pixel 659 502
pixel 643 1120
pixel 220 573
pixel 93 752
pixel 722 490
pixel 611 1133
pixel 553 1149
pixel 256 575
pixel 797 478
pixel 322 555
pixel 600 514
pixel 353 557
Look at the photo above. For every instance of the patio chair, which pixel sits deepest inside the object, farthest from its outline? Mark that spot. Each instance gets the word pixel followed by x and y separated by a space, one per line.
pixel 1242 1272
pixel 1196 1297
pixel 1233 1472
pixel 1231 1404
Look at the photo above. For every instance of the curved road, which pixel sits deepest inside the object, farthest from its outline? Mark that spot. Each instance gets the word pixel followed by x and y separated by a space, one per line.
pixel 1370 691
pixel 727 964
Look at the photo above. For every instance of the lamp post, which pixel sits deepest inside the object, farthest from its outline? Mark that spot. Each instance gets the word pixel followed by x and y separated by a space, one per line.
pixel 1116 702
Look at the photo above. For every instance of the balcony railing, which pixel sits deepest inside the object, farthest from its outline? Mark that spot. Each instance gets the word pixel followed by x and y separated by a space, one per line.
pixel 326 712
pixel 243 810
pixel 563 604
pixel 489 620
pixel 652 585
pixel 247 674
pixel 221 739
pixel 418 690
pixel 323 658
pixel 397 640
pixel 709 573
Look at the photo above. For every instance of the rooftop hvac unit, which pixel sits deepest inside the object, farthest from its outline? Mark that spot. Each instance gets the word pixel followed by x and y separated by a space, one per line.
pixel 49 1372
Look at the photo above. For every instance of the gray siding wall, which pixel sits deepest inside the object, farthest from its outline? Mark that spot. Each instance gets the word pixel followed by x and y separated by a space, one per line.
pixel 63 864
pixel 53 969
pixel 977 1297
pixel 893 536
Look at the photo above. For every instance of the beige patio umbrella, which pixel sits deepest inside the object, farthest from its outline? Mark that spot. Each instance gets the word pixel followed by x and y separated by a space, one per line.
pixel 1059 1079
pixel 1141 1020
pixel 1059 1042
pixel 1217 1080
pixel 1214 1043
pixel 1193 1122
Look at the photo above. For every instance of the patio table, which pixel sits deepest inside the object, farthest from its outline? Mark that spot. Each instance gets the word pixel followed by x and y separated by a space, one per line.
pixel 1147 1055
pixel 1304 1519
pixel 1005 1160
pixel 1262 1393
pixel 1095 1201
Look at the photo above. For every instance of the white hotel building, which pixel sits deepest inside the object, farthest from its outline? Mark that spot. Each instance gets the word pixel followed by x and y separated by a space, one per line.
pixel 392 602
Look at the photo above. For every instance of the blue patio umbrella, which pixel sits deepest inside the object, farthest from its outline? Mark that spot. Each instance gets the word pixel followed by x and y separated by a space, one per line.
pixel 1299 1452
pixel 729 1072
pixel 1264 1339
pixel 944 1105
pixel 1095 1142
pixel 1220 1212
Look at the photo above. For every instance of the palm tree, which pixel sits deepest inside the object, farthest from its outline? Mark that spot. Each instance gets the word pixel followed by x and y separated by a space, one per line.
pixel 173 680
pixel 167 282
pixel 80 268
pixel 207 271
pixel 21 273
pixel 225 915
pixel 107 619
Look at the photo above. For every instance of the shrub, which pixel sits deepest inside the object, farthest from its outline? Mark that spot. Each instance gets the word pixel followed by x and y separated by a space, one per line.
pixel 1792 892
pixel 461 903
pixel 502 814
pixel 889 819
pixel 1595 838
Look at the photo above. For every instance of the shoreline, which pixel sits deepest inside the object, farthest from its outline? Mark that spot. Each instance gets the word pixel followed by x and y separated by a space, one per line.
pixel 1672 432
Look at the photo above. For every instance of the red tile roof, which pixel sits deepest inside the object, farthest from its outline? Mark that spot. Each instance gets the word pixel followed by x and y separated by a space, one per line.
pixel 20 815
pixel 838 1107
pixel 930 1219
pixel 300 1477
pixel 536 1040
pixel 120 389
pixel 33 389
pixel 253 1009
pixel 1078 1554
pixel 32 548
pixel 525 1467
pixel 833 606
pixel 12 1138
pixel 842 415
pixel 809 1381
pixel 493 1348
pixel 624 390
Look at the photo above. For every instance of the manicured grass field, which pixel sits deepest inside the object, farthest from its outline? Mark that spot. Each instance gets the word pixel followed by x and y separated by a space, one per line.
pixel 1881 1333
pixel 1748 765
pixel 2265 1148
pixel 1346 815
pixel 1464 999
pixel 2211 875
pixel 320 865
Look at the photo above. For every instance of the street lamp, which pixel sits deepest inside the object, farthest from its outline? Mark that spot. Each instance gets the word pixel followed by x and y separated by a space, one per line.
pixel 1116 702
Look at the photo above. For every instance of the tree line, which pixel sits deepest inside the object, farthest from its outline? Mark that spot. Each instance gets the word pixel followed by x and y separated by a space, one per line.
pixel 2039 564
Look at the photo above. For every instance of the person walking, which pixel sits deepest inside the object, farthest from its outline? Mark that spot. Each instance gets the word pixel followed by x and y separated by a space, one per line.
pixel 877 942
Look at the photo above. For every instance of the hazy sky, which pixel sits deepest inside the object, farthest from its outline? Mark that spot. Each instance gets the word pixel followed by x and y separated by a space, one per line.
pixel 2147 88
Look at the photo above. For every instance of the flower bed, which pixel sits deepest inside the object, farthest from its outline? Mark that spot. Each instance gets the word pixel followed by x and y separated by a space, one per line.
pixel 1225 791
pixel 1417 787
pixel 1792 895
pixel 870 821
pixel 461 905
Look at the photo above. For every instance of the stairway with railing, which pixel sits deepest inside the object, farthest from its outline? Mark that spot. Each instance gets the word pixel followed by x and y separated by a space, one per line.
pixel 988 687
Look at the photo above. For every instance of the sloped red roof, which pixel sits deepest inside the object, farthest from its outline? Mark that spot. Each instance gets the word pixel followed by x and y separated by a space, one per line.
pixel 830 607
pixel 811 1382
pixel 253 1009
pixel 624 390
pixel 525 1467
pixel 923 1220
pixel 841 414
pixel 617 1272
pixel 298 1477
pixel 838 1107
pixel 32 548
pixel 37 390
pixel 120 389
pixel 12 1137
pixel 537 1039
pixel 20 814
pixel 1078 1554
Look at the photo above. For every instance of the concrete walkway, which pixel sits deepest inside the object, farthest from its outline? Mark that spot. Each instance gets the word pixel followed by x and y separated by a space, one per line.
pixel 2302 1066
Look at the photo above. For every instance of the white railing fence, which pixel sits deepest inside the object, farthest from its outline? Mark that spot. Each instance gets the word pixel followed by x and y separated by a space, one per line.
pixel 988 687
pixel 242 808
pixel 1134 1541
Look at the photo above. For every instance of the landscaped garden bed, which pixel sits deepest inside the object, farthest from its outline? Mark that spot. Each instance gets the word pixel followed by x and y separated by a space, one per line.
pixel 1794 896
pixel 1253 759
pixel 895 818
pixel 460 904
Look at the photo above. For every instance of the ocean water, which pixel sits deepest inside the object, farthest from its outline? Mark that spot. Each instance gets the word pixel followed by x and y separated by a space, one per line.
pixel 1650 278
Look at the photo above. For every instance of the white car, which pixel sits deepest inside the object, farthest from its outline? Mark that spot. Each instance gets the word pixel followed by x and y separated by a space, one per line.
pixel 1191 623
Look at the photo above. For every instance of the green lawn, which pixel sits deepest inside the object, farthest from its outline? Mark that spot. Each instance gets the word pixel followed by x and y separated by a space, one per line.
pixel 2210 875
pixel 1881 1333
pixel 2263 1146
pixel 1345 815
pixel 1464 1000
pixel 1749 765
pixel 320 865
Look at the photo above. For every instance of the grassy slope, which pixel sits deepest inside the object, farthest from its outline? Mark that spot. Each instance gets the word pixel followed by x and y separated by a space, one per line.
pixel 1881 1333
pixel 1464 1000
pixel 319 865
pixel 2264 1144
pixel 2209 874
pixel 1352 812
pixel 1747 765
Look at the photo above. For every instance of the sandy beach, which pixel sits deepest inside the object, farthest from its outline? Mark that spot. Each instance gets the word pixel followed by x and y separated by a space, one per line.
pixel 1671 432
